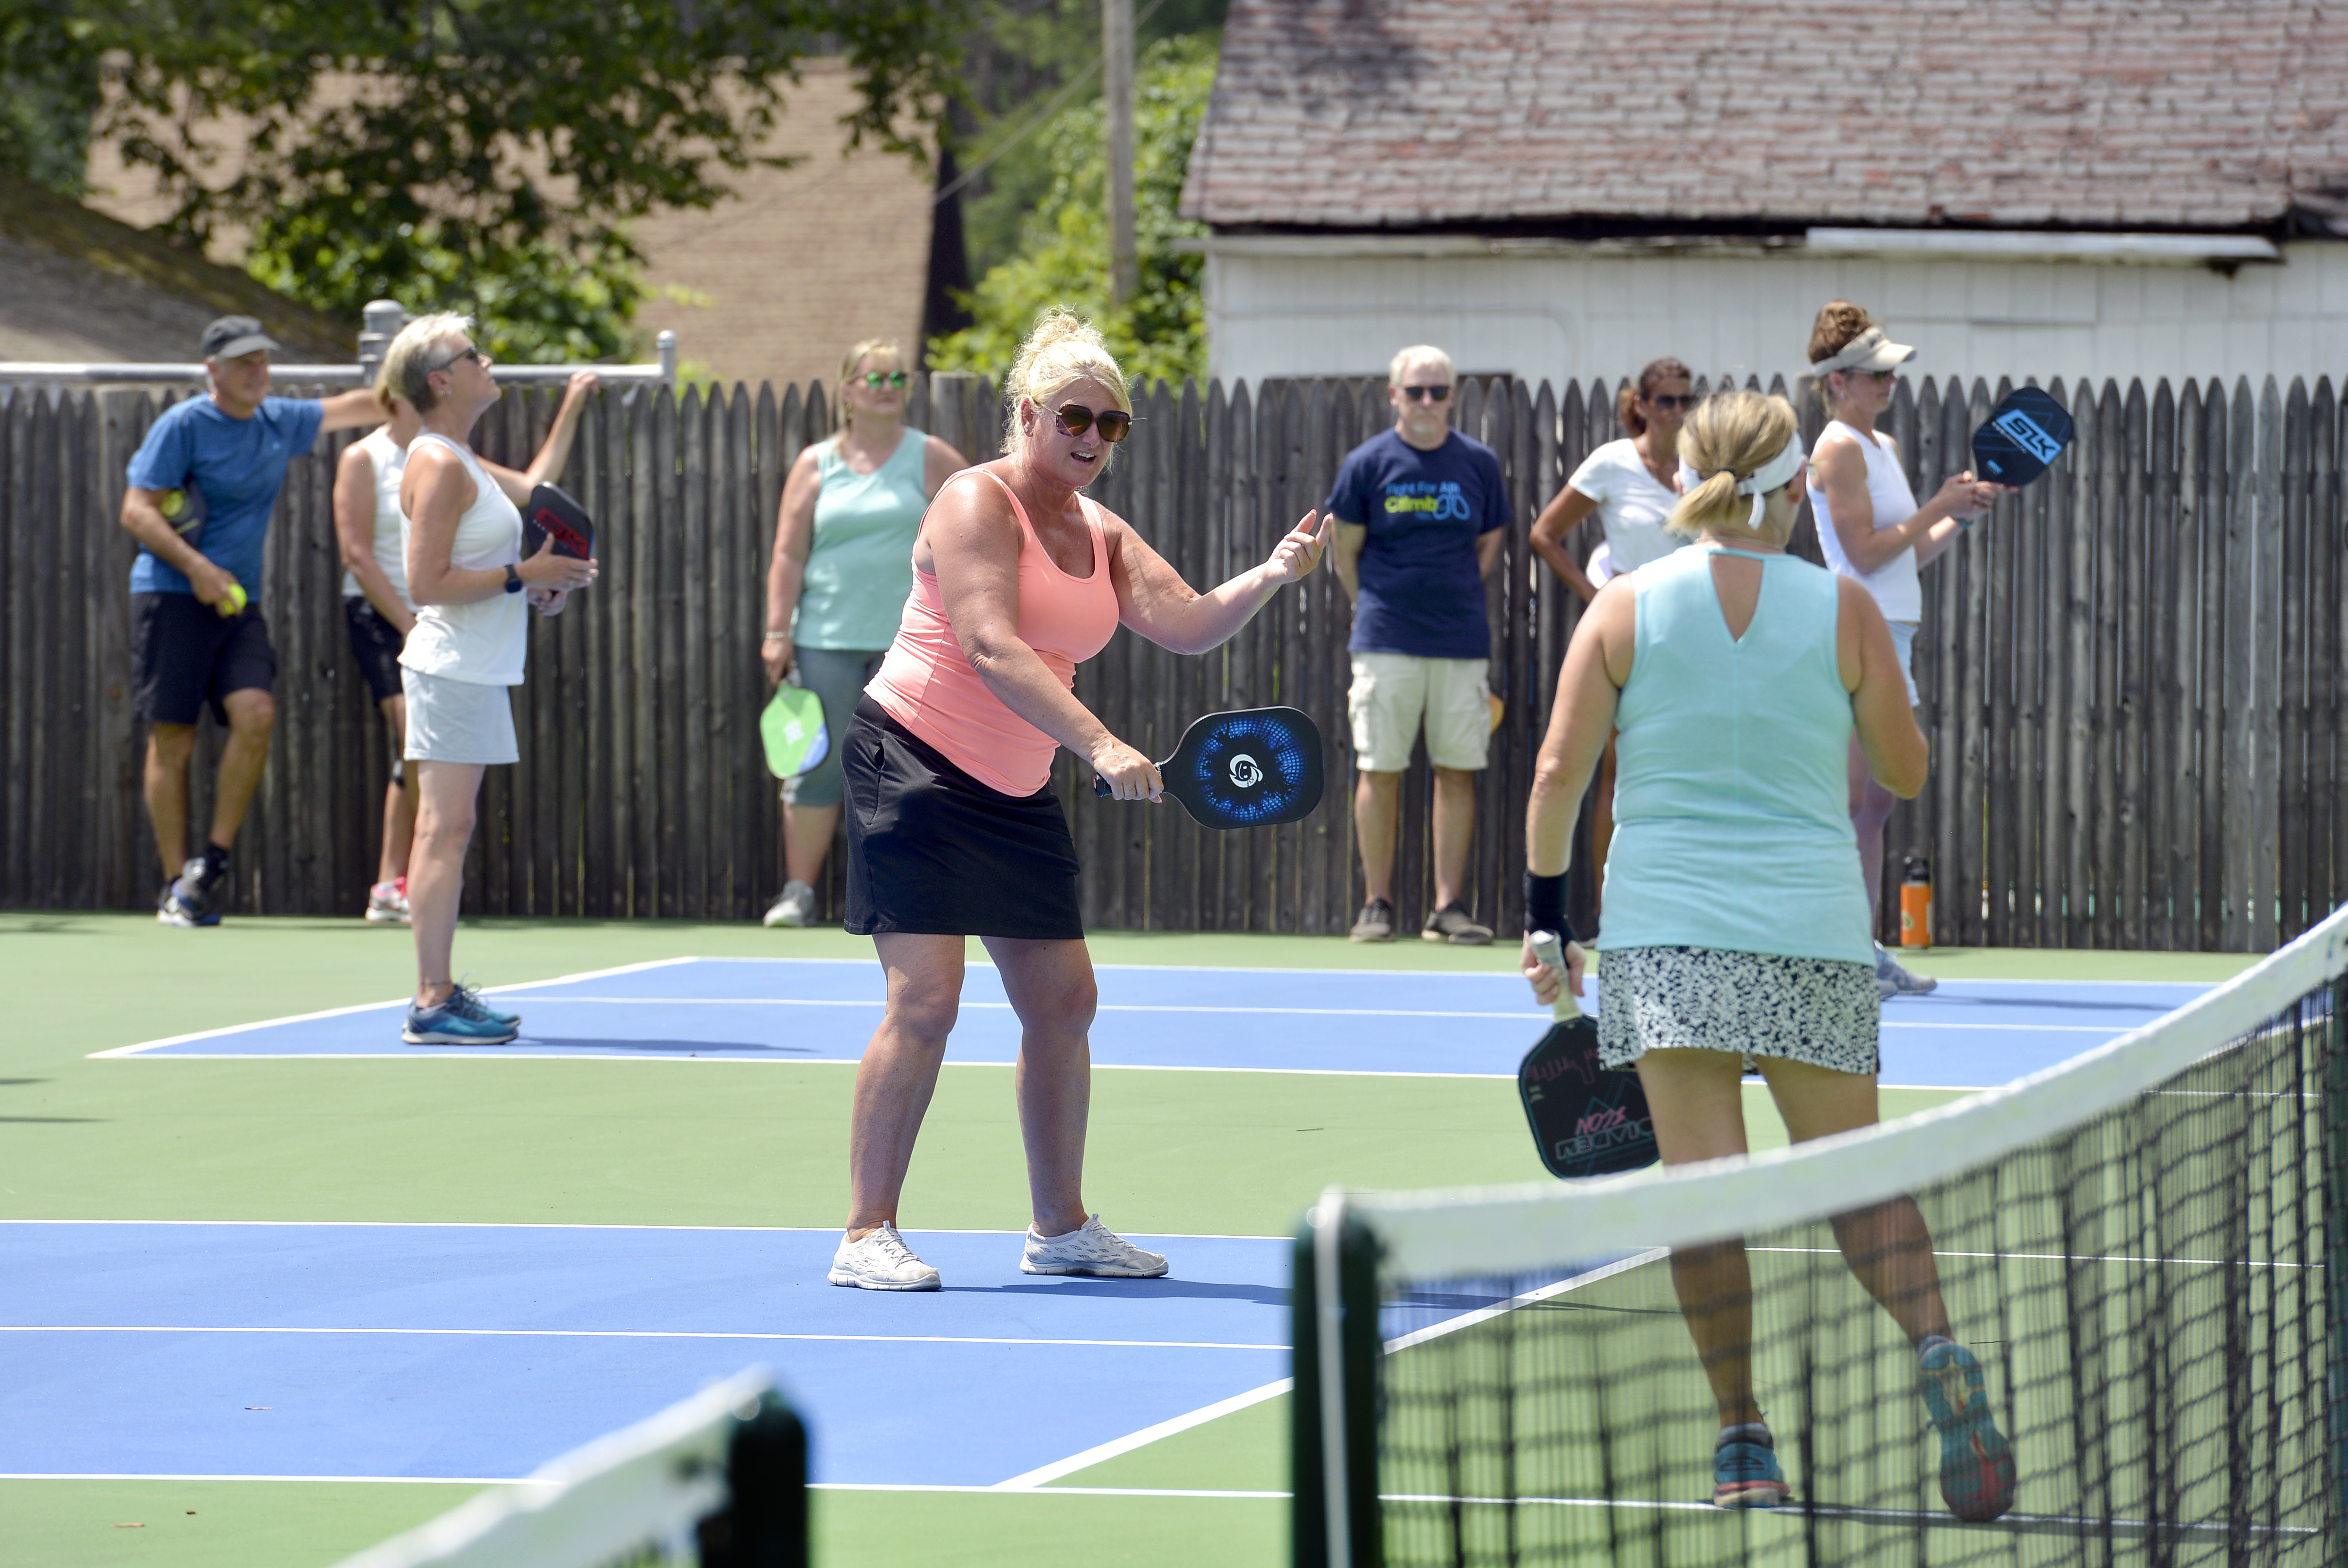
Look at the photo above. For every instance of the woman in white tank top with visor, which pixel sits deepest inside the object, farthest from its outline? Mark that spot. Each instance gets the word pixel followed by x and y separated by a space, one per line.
pixel 473 592
pixel 1736 933
pixel 1873 532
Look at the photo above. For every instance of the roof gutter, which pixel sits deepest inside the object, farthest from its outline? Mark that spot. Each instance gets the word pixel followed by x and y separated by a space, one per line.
pixel 2039 245
pixel 2225 251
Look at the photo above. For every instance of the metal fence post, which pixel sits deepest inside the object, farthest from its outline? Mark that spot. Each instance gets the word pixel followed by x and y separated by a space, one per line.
pixel 384 319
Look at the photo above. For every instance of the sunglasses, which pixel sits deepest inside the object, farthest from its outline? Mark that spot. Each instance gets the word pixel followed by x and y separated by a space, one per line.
pixel 1075 419
pixel 469 351
pixel 1673 401
pixel 1879 374
pixel 884 378
pixel 1425 393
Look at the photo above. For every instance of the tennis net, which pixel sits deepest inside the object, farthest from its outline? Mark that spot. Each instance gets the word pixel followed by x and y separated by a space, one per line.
pixel 2132 1246
pixel 719 1480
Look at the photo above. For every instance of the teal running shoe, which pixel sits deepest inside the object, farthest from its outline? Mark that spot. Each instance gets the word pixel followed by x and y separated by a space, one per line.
pixel 458 1020
pixel 1977 1477
pixel 475 1003
pixel 1745 1473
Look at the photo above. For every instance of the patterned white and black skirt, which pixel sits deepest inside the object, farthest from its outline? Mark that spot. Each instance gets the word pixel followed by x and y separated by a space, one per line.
pixel 1823 1011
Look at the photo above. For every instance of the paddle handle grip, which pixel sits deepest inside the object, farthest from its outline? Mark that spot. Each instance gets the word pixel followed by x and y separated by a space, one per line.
pixel 1100 784
pixel 1549 950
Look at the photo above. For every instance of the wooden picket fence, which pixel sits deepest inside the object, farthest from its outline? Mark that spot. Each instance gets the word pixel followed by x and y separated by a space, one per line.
pixel 2129 676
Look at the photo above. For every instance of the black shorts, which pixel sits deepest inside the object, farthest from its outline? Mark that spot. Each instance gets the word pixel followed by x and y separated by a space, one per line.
pixel 376 644
pixel 932 850
pixel 185 655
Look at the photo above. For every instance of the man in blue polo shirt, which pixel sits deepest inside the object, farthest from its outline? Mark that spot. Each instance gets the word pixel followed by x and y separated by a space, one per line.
pixel 202 486
pixel 1420 509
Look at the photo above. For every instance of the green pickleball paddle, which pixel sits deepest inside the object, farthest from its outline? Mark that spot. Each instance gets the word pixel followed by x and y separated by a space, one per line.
pixel 792 729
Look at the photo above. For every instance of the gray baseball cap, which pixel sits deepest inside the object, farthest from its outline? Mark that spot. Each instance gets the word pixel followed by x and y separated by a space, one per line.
pixel 233 335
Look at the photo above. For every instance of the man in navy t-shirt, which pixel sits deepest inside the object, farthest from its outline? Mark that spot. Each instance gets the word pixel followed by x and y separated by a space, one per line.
pixel 202 486
pixel 1419 512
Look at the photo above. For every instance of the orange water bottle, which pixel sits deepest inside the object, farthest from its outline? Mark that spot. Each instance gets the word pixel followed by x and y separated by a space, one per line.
pixel 1916 904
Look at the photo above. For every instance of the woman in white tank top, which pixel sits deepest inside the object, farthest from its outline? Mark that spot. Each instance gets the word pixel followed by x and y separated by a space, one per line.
pixel 473 591
pixel 1872 530
pixel 376 610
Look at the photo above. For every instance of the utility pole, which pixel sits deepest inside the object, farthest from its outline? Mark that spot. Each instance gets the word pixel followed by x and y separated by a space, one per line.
pixel 1117 91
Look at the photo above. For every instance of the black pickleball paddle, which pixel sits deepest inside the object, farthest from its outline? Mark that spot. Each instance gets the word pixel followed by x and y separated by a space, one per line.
pixel 1588 1120
pixel 2026 432
pixel 553 514
pixel 1255 768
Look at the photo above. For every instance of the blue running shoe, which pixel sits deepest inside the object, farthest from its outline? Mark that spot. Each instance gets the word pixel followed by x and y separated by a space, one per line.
pixel 1977 1476
pixel 188 901
pixel 458 1020
pixel 474 1002
pixel 1745 1473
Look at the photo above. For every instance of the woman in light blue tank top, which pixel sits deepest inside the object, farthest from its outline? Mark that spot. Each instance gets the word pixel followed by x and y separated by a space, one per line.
pixel 842 566
pixel 1736 930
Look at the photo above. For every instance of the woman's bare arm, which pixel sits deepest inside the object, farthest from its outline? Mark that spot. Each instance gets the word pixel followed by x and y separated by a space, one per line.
pixel 787 571
pixel 435 491
pixel 1839 468
pixel 1589 687
pixel 355 535
pixel 973 541
pixel 554 452
pixel 1896 750
pixel 1153 599
pixel 1565 512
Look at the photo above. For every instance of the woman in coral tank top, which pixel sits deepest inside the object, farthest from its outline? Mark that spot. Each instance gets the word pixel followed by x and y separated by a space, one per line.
pixel 952 828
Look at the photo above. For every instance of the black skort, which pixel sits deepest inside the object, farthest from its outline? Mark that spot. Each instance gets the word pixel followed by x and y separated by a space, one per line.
pixel 932 851
pixel 376 644
pixel 185 655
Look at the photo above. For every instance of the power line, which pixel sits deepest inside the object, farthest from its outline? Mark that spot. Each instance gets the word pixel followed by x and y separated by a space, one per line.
pixel 1052 106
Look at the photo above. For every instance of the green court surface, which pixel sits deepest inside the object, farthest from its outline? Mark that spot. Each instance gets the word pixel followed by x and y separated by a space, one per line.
pixel 600 1143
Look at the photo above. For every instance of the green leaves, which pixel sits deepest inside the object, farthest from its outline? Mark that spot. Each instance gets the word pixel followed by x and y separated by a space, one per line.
pixel 1064 251
pixel 488 153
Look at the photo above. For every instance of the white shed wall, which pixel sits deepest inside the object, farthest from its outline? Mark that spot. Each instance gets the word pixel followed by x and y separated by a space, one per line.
pixel 1548 316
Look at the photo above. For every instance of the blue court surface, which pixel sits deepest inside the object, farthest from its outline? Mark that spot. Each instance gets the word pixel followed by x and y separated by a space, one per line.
pixel 1970 1034
pixel 475 1352
pixel 478 1352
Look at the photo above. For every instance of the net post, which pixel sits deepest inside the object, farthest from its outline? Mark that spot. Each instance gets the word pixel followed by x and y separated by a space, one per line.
pixel 1334 1519
pixel 765 1522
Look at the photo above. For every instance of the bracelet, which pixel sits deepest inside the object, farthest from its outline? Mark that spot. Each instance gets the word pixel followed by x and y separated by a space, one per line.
pixel 779 636
pixel 1545 904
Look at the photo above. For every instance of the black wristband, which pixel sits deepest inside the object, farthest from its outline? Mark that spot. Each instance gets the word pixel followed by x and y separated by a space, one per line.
pixel 513 579
pixel 1545 904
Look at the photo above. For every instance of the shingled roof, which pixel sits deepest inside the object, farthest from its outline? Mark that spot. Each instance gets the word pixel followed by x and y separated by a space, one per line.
pixel 1767 116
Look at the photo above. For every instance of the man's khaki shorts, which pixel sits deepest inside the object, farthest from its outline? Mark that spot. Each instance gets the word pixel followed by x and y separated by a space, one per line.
pixel 1392 692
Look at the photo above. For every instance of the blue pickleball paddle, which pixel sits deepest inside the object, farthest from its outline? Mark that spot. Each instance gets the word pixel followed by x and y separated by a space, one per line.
pixel 1255 768
pixel 2026 432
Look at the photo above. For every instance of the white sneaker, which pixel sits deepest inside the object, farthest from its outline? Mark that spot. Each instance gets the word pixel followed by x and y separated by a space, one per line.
pixel 881 1261
pixel 1094 1249
pixel 1891 981
pixel 387 905
pixel 794 907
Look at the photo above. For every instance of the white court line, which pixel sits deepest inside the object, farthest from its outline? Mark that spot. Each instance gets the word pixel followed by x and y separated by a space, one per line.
pixel 1528 1017
pixel 627 1334
pixel 1142 1438
pixel 366 1007
pixel 556 1226
pixel 532 1480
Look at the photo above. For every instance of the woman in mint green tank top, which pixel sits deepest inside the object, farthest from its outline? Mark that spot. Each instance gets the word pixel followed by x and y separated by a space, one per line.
pixel 1736 934
pixel 842 566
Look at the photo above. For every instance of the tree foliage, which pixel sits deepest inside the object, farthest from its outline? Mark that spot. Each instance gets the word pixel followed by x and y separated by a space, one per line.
pixel 1063 253
pixel 495 151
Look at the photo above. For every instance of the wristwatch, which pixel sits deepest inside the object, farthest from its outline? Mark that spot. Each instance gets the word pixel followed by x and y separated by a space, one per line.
pixel 513 579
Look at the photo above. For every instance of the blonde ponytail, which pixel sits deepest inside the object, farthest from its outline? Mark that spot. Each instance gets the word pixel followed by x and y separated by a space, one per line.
pixel 1728 439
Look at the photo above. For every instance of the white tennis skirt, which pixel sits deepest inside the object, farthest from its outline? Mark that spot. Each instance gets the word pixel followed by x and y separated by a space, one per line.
pixel 458 720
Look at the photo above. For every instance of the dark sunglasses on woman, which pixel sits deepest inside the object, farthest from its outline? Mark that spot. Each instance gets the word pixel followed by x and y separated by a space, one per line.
pixel 884 378
pixel 1673 401
pixel 1428 394
pixel 1114 423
